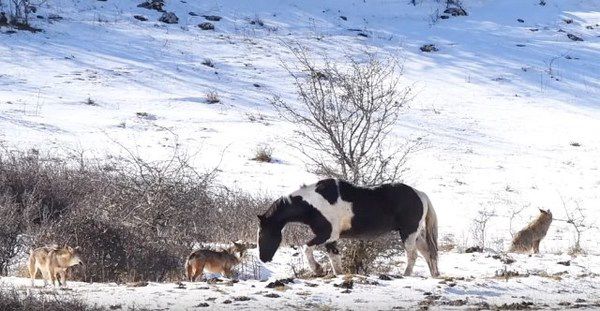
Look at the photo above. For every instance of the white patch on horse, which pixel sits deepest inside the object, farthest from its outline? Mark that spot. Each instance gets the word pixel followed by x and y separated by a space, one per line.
pixel 339 214
pixel 425 201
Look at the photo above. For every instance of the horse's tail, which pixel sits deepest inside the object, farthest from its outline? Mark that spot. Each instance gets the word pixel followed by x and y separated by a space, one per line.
pixel 431 235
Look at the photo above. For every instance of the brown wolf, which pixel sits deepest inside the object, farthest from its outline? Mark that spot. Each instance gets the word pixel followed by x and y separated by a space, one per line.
pixel 529 238
pixel 214 261
pixel 53 262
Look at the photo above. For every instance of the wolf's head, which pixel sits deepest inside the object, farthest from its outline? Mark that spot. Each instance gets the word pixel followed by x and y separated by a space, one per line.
pixel 72 255
pixel 545 213
pixel 239 248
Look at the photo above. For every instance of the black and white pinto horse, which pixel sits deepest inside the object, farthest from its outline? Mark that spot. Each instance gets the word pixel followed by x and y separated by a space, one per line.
pixel 335 209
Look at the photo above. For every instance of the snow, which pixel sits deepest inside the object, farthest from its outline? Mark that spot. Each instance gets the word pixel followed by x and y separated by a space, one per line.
pixel 497 108
pixel 469 279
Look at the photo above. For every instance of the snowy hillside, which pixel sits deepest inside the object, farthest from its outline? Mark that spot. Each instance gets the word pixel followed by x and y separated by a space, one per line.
pixel 508 108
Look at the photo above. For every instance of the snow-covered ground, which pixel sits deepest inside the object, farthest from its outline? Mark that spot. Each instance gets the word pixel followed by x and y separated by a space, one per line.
pixel 508 109
pixel 469 281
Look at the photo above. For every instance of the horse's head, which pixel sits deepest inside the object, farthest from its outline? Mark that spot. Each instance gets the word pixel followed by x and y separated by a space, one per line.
pixel 269 230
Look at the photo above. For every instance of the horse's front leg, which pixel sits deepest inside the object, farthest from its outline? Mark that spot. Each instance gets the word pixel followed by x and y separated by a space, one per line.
pixel 308 253
pixel 334 257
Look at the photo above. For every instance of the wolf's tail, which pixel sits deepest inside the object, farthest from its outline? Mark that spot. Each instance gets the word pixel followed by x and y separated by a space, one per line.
pixel 189 267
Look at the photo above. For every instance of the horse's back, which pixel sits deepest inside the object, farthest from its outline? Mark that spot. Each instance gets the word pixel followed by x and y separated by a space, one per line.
pixel 382 209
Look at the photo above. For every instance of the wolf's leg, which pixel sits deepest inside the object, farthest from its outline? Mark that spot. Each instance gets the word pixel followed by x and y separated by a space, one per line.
pixel 334 257
pixel 199 270
pixel 32 270
pixel 45 275
pixel 63 278
pixel 536 246
pixel 411 253
pixel 53 278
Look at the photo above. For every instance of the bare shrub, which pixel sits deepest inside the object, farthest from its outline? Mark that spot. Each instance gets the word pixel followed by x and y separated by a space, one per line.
pixel 346 115
pixel 10 228
pixel 15 301
pixel 263 153
pixel 212 97
pixel 133 219
pixel 479 226
pixel 580 222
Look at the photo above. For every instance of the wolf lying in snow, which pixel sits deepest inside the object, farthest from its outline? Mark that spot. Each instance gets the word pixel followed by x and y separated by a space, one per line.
pixel 529 238
pixel 53 262
pixel 214 261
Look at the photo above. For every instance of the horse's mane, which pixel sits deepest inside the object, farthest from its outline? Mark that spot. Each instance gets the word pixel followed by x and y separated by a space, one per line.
pixel 275 207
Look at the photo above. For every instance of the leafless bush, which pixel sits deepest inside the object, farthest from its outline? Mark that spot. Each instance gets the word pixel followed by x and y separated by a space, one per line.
pixel 19 11
pixel 263 153
pixel 15 301
pixel 359 256
pixel 346 115
pixel 133 219
pixel 480 225
pixel 212 97
pixel 577 218
pixel 10 228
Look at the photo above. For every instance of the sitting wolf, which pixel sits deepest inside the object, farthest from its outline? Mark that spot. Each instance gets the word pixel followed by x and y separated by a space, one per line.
pixel 214 261
pixel 53 262
pixel 529 238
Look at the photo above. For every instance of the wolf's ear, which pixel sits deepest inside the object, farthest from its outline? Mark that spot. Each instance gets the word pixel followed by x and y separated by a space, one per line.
pixel 261 218
pixel 542 211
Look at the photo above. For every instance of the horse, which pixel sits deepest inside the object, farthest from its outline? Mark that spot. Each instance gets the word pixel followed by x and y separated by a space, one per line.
pixel 336 209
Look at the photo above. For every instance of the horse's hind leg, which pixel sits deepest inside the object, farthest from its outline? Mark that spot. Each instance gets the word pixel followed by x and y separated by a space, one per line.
pixel 424 250
pixel 411 253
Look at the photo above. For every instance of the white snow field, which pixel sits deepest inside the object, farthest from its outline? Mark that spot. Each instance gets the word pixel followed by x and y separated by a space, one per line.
pixel 508 113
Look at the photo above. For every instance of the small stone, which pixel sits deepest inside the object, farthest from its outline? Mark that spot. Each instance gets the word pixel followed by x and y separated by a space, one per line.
pixel 520 20
pixel 344 17
pixel 444 16
pixel 429 48
pixel 206 26
pixel 140 18
pixel 169 18
pixel 456 11
pixel 153 5
pixel 212 18
pixel 566 262
pixel 574 37
pixel 385 277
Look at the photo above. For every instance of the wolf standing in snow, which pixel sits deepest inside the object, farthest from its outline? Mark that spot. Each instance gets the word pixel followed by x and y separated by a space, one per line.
pixel 214 261
pixel 53 261
pixel 529 238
